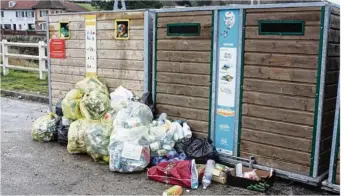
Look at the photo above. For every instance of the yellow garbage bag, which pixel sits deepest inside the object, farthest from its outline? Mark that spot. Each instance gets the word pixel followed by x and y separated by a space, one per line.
pixel 92 83
pixel 71 104
pixel 76 136
pixel 44 128
pixel 94 105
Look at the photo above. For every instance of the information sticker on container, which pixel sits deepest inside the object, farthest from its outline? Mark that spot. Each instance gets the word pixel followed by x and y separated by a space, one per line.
pixel 131 151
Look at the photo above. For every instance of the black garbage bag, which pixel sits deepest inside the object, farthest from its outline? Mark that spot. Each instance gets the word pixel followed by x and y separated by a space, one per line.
pixel 62 131
pixel 58 108
pixel 147 99
pixel 199 149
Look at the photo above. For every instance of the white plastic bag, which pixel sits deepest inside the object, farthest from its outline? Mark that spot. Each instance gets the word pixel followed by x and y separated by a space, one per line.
pixel 121 94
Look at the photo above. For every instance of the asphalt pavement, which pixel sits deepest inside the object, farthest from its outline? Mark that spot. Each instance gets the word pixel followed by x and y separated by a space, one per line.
pixel 30 167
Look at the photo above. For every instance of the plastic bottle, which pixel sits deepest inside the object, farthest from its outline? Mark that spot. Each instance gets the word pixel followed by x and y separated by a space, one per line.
pixel 186 130
pixel 172 154
pixel 206 181
pixel 162 118
pixel 175 191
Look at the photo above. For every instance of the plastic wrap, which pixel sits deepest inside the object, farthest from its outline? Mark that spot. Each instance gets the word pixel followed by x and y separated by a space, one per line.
pixel 94 105
pixel 135 114
pixel 44 128
pixel 71 104
pixel 92 83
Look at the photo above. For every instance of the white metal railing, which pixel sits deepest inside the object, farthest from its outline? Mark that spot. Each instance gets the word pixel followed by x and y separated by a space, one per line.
pixel 41 57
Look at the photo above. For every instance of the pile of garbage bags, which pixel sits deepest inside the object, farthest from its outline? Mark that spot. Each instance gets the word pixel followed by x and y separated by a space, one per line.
pixel 118 129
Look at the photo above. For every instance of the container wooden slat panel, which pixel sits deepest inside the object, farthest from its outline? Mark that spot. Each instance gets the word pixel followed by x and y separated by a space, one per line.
pixel 110 16
pixel 184 45
pixel 294 9
pixel 189 13
pixel 121 64
pixel 204 20
pixel 311 33
pixel 101 34
pixel 180 100
pixel 129 84
pixel 333 63
pixel 184 56
pixel 284 115
pixel 182 112
pixel 310 17
pixel 335 11
pixel 334 35
pixel 62 85
pixel 280 87
pixel 335 22
pixel 181 89
pixel 78 71
pixel 70 62
pixel 331 90
pixel 196 126
pixel 274 152
pixel 293 143
pixel 333 49
pixel 79 25
pixel 182 67
pixel 192 79
pixel 281 101
pixel 329 104
pixel 121 74
pixel 108 44
pixel 110 24
pixel 121 54
pixel 282 46
pixel 66 18
pixel 64 77
pixel 278 127
pixel 204 34
pixel 273 163
pixel 284 74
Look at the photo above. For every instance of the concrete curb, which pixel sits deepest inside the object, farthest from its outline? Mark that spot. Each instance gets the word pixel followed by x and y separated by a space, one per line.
pixel 26 96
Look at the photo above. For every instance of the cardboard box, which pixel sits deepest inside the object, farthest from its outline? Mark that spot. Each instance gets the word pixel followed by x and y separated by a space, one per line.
pixel 219 173
pixel 265 182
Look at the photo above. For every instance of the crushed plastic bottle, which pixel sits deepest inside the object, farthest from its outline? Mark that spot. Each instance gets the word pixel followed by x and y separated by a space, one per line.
pixel 206 181
pixel 187 130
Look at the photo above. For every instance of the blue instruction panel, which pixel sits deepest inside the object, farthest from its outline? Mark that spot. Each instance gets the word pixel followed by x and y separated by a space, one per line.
pixel 227 47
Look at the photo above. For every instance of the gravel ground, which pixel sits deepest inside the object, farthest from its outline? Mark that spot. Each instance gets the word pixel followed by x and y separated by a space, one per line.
pixel 29 167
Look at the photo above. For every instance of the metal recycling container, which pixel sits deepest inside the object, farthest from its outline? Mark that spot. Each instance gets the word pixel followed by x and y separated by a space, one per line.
pixel 259 80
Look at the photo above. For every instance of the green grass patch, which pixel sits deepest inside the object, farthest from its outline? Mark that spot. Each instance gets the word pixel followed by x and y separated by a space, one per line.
pixel 24 81
pixel 88 6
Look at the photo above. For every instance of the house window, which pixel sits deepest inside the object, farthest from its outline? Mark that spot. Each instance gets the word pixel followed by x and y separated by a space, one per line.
pixel 31 26
pixel 20 27
pixel 30 14
pixel 43 13
pixel 20 14
pixel 43 26
pixel 281 27
pixel 7 26
pixel 2 13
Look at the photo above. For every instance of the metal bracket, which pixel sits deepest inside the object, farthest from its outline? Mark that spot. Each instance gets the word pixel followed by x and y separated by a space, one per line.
pixel 252 161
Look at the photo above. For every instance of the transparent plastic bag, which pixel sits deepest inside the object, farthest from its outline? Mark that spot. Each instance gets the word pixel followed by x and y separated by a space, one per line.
pixel 92 83
pixel 129 149
pixel 76 136
pixel 135 114
pixel 115 107
pixel 71 104
pixel 94 105
pixel 121 94
pixel 97 138
pixel 44 128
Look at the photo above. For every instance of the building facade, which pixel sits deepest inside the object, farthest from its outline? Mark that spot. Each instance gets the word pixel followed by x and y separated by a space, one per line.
pixel 17 15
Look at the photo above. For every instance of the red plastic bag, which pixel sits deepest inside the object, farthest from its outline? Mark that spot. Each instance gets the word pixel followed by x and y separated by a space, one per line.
pixel 183 173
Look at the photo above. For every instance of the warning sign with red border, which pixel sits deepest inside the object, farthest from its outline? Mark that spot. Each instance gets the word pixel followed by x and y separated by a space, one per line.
pixel 57 49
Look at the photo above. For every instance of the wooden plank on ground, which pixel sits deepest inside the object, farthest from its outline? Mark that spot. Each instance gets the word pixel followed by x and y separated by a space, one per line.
pixel 182 67
pixel 278 127
pixel 205 20
pixel 282 46
pixel 285 74
pixel 190 13
pixel 183 113
pixel 311 33
pixel 121 54
pixel 121 64
pixel 129 84
pixel 305 118
pixel 310 17
pixel 335 22
pixel 287 88
pixel 277 164
pixel 184 56
pixel 299 144
pixel 180 89
pixel 121 74
pixel 282 101
pixel 70 62
pixel 204 34
pixel 191 79
pixel 293 9
pixel 110 24
pixel 334 35
pixel 119 15
pixel 281 60
pixel 277 153
pixel 180 100
pixel 333 49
